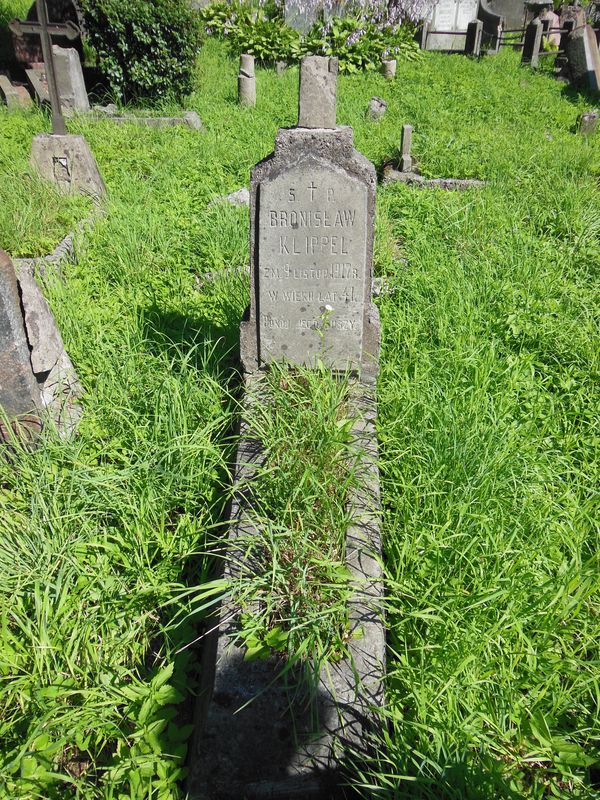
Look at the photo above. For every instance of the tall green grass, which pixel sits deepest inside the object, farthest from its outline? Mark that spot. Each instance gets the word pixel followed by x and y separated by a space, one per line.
pixel 488 400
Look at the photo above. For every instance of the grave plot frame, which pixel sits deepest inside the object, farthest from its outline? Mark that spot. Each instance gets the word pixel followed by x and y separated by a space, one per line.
pixel 256 734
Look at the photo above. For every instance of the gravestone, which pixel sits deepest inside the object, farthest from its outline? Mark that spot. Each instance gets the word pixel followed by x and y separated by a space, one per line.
pixel 19 392
pixel 512 11
pixel 583 58
pixel 493 26
pixel 259 734
pixel 65 160
pixel 448 25
pixel 15 96
pixel 588 122
pixel 388 68
pixel 376 108
pixel 69 79
pixel 312 241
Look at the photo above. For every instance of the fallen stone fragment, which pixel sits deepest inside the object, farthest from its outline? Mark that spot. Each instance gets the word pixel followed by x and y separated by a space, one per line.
pixel 391 175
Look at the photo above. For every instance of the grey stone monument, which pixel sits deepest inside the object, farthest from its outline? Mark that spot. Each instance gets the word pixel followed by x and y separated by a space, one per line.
pixel 37 378
pixel 69 79
pixel 583 58
pixel 19 393
pixel 406 162
pixel 65 160
pixel 588 122
pixel 312 205
pixel 247 81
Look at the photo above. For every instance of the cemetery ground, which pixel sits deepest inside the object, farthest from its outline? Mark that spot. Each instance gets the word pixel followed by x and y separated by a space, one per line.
pixel 488 402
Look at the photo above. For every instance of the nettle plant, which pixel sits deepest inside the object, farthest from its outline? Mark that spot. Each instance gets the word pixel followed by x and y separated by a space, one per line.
pixel 368 33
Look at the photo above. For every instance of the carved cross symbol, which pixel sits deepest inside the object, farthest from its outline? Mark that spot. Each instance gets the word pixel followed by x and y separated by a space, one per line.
pixel 46 30
pixel 311 189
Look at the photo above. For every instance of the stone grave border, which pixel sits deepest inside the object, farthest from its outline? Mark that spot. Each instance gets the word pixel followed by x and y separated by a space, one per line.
pixel 350 691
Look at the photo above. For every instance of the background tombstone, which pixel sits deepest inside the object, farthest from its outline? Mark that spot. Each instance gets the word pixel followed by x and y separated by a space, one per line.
pixel 69 79
pixel 450 18
pixel 493 26
pixel 63 159
pixel 27 46
pixel 512 11
pixel 583 58
pixel 15 96
pixel 406 162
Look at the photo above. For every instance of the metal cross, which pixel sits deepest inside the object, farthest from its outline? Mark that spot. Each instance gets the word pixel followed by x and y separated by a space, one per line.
pixel 46 30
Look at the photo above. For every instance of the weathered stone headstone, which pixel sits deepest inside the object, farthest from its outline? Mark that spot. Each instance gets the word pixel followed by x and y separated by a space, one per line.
pixel 473 38
pixel 19 392
pixel 447 27
pixel 583 58
pixel 69 80
pixel 512 11
pixel 311 243
pixel 406 162
pixel 532 43
pixel 68 162
pixel 312 240
pixel 493 25
pixel 15 96
pixel 247 81
pixel 37 378
pixel 551 22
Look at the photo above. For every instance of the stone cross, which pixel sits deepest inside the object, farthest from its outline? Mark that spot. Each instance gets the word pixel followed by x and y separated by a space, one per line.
pixel 46 30
pixel 312 208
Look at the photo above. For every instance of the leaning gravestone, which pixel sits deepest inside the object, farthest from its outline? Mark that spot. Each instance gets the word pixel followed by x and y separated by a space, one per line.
pixel 583 58
pixel 312 207
pixel 69 79
pixel 37 378
pixel 448 25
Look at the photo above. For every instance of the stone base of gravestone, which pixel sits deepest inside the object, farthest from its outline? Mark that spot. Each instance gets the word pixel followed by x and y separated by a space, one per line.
pixel 67 161
pixel 259 734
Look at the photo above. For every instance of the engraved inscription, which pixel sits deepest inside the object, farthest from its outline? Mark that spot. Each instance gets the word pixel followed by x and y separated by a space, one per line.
pixel 312 245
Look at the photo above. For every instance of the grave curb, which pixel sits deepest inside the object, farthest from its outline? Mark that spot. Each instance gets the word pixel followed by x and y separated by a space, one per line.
pixel 224 751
